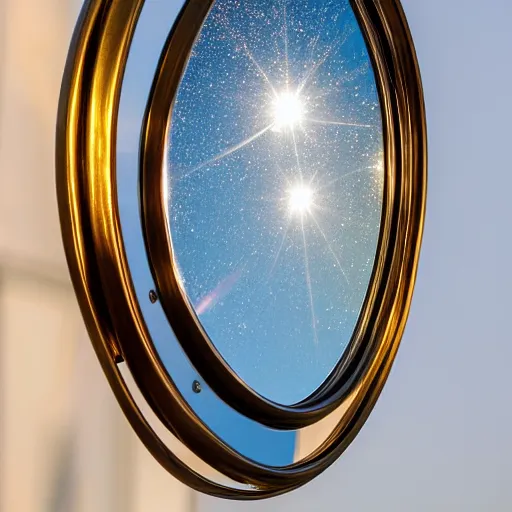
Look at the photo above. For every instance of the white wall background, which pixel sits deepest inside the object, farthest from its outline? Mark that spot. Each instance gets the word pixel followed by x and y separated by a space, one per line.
pixel 440 438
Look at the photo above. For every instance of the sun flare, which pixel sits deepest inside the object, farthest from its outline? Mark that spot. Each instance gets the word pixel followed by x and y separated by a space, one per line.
pixel 300 199
pixel 288 110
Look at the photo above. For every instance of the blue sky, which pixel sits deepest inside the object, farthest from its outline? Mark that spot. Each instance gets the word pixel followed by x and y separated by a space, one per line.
pixel 278 291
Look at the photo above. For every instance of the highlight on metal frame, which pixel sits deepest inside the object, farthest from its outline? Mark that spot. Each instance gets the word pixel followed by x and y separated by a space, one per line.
pixel 241 189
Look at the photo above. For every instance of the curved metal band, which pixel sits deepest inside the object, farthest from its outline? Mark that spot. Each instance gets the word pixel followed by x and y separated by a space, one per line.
pixel 86 170
pixel 398 244
pixel 79 133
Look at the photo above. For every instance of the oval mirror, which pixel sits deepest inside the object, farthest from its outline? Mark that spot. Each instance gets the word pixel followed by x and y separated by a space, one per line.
pixel 241 189
pixel 275 181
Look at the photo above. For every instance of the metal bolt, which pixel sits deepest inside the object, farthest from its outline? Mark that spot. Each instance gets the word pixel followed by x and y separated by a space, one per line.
pixel 153 297
pixel 196 387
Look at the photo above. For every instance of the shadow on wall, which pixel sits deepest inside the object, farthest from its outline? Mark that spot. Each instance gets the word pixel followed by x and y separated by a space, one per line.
pixel 64 444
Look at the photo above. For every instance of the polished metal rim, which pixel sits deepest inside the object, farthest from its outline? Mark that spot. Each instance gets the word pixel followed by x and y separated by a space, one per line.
pixel 91 226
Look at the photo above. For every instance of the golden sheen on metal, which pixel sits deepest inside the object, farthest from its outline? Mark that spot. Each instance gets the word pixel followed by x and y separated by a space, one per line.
pixel 101 275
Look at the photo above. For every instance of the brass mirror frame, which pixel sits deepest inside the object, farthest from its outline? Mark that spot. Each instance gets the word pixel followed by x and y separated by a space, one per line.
pixel 398 222
pixel 86 174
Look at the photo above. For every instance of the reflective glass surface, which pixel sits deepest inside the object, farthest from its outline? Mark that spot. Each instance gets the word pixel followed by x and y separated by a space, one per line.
pixel 249 438
pixel 275 178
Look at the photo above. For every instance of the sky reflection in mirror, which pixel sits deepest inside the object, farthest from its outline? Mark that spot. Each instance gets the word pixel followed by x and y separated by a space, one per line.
pixel 275 183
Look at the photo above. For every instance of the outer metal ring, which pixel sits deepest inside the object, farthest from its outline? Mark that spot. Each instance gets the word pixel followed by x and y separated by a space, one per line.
pixel 86 170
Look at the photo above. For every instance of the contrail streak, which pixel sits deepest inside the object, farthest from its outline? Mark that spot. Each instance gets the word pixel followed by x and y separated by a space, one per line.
pixel 230 151
pixel 339 123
